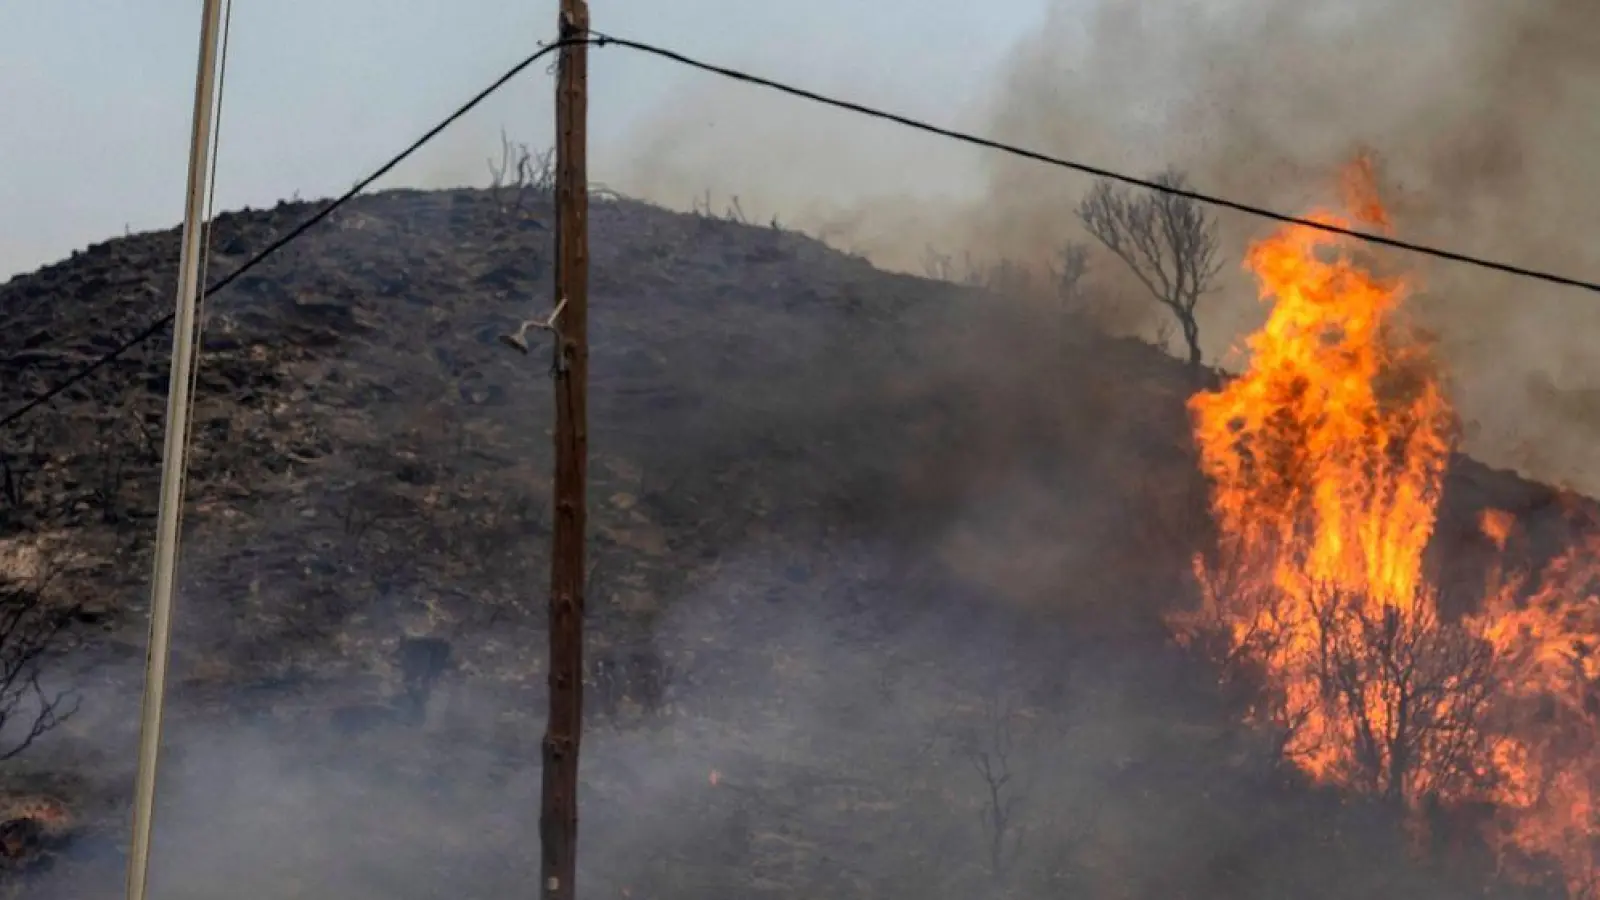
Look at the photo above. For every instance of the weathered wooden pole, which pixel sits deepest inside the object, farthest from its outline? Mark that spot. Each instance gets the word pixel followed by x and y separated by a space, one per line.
pixel 558 817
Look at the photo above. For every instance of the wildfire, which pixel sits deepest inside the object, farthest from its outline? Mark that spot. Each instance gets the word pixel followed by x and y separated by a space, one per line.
pixel 1326 460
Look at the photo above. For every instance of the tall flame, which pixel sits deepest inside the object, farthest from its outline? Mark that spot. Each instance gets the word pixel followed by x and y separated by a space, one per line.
pixel 1326 460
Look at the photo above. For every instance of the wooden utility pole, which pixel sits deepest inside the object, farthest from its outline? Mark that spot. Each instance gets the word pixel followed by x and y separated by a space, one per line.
pixel 558 816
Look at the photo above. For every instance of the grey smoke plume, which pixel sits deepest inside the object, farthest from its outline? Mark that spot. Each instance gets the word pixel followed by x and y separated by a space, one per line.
pixel 1478 111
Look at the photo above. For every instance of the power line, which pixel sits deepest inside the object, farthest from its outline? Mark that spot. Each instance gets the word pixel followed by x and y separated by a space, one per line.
pixel 160 324
pixel 601 40
pixel 1087 169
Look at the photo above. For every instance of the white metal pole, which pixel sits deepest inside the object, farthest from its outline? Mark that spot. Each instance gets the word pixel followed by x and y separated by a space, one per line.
pixel 174 452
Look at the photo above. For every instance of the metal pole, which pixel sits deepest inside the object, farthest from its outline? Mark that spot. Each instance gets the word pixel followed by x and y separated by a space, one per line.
pixel 174 453
pixel 558 818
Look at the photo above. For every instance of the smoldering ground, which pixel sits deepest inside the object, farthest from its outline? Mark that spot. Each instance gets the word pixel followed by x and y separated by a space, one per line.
pixel 1477 111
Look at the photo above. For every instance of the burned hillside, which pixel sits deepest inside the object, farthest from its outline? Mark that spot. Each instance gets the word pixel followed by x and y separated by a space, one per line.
pixel 881 571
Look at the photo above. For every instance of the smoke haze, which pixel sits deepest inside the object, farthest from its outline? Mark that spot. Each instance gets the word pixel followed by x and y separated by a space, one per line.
pixel 1478 112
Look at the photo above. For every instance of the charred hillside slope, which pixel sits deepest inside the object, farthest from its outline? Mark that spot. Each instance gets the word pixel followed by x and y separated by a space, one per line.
pixel 846 523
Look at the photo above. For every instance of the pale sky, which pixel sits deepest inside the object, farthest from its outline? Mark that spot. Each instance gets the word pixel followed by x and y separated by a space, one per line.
pixel 96 94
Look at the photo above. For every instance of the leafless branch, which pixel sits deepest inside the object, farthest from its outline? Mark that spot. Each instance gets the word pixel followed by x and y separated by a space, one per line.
pixel 701 205
pixel 520 171
pixel 989 746
pixel 33 625
pixel 1413 691
pixel 1067 272
pixel 1169 242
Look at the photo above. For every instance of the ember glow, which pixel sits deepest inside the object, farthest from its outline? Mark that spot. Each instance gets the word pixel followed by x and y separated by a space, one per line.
pixel 1326 460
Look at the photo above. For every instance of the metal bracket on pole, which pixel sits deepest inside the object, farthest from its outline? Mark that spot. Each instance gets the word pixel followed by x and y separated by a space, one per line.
pixel 518 340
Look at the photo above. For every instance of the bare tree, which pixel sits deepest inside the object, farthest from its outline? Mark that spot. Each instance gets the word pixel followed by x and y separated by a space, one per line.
pixel 703 207
pixel 1167 240
pixel 1070 266
pixel 33 625
pixel 520 170
pixel 1003 277
pixel 1243 626
pixel 989 745
pixel 1401 698
pixel 1006 278
pixel 1413 692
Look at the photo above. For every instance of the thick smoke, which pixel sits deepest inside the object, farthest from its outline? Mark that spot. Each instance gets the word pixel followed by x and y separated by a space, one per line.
pixel 1478 112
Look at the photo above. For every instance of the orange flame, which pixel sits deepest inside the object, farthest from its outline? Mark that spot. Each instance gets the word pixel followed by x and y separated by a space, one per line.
pixel 1548 716
pixel 1496 525
pixel 1326 460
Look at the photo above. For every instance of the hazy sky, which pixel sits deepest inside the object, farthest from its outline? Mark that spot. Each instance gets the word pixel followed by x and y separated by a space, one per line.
pixel 96 94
